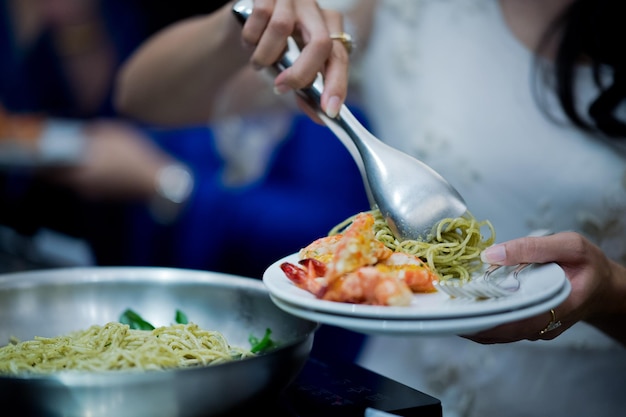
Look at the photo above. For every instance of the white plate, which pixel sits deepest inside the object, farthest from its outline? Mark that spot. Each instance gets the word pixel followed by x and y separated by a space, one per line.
pixel 538 283
pixel 451 326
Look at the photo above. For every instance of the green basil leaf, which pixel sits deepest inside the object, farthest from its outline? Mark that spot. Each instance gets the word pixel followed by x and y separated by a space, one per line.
pixel 263 345
pixel 134 320
pixel 181 318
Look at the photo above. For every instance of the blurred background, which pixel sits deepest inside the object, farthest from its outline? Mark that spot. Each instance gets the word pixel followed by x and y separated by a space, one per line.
pixel 81 185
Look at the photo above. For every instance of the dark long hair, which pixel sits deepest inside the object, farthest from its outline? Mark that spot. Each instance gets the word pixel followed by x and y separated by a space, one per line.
pixel 592 32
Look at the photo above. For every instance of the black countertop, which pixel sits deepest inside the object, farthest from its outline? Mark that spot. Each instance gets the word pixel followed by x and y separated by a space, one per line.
pixel 340 389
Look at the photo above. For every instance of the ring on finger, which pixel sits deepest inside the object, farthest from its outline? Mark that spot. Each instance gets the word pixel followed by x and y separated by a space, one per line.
pixel 345 39
pixel 554 323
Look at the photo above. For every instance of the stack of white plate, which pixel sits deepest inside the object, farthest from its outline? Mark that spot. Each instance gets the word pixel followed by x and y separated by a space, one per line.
pixel 542 287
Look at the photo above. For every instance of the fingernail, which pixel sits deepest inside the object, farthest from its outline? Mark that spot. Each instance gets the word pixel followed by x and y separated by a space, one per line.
pixel 333 106
pixel 494 254
pixel 281 89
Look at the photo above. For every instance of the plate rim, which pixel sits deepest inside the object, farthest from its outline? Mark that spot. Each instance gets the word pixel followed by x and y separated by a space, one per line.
pixel 427 327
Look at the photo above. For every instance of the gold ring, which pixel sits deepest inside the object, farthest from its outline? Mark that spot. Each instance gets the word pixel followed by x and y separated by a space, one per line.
pixel 554 323
pixel 345 39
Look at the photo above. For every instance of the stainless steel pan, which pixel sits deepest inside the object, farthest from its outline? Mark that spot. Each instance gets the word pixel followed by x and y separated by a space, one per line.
pixel 54 302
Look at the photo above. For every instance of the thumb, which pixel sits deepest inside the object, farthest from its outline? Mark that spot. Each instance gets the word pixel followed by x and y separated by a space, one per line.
pixel 530 249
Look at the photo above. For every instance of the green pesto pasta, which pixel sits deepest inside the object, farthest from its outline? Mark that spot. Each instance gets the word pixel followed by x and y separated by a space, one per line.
pixel 115 346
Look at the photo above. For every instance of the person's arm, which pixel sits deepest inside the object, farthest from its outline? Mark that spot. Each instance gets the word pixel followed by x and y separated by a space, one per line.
pixel 177 75
pixel 598 294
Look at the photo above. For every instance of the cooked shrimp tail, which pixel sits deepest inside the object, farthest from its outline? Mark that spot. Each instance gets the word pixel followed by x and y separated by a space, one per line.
pixel 308 275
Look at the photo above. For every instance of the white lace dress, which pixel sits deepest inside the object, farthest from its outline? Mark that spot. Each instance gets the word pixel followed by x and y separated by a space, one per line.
pixel 446 81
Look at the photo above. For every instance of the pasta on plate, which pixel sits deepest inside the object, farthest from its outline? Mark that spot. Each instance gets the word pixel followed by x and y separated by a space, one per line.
pixel 453 251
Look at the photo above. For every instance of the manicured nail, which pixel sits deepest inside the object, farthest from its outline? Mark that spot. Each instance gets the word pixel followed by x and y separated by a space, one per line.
pixel 494 254
pixel 281 89
pixel 333 106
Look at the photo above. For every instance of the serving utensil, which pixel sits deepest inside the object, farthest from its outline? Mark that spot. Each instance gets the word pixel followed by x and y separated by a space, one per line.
pixel 411 196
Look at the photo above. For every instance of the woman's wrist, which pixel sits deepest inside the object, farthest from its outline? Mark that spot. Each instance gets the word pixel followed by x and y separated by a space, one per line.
pixel 611 314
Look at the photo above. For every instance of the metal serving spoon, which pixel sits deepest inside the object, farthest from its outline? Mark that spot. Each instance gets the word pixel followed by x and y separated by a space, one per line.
pixel 411 196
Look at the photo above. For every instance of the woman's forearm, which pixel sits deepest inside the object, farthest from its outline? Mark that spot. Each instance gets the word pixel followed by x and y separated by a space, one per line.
pixel 175 77
pixel 178 76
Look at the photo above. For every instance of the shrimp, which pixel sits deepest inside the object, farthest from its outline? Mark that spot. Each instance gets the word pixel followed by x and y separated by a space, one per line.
pixel 412 270
pixel 369 285
pixel 357 247
pixel 322 249
pixel 348 251
pixel 355 267
pixel 366 285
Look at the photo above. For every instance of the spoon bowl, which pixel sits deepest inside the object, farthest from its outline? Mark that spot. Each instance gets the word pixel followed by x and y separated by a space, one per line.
pixel 412 197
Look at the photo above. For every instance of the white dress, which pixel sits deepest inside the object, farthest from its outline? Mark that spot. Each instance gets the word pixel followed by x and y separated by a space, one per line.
pixel 446 81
